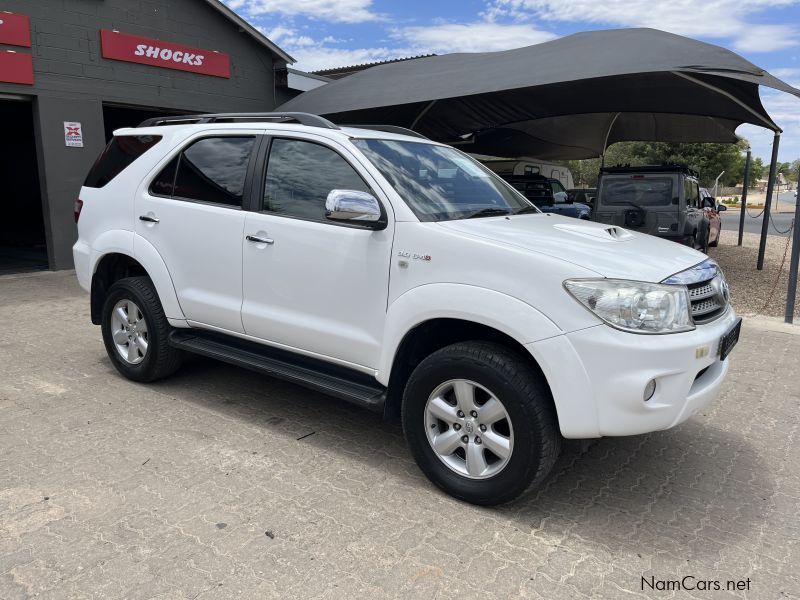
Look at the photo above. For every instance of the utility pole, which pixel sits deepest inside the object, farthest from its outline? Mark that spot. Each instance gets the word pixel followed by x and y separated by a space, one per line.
pixel 793 264
pixel 745 185
pixel 773 168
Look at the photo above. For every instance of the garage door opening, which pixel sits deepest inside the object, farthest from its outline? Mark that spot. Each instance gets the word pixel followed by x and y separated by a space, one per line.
pixel 117 116
pixel 23 245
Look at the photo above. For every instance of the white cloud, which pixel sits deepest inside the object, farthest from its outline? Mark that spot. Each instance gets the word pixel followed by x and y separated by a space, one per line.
pixel 338 11
pixel 785 111
pixel 322 57
pixel 719 19
pixel 314 55
pixel 481 36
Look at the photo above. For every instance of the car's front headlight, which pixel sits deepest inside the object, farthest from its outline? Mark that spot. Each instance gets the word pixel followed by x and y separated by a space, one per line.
pixel 635 306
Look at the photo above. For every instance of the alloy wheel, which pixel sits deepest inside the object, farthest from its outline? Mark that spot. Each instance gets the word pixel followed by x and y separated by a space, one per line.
pixel 129 331
pixel 469 429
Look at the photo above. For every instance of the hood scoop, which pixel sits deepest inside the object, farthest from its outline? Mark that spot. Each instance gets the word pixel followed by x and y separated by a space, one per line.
pixel 609 234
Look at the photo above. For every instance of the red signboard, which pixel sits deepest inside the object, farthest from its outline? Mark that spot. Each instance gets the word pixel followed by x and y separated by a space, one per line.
pixel 16 68
pixel 15 30
pixel 146 51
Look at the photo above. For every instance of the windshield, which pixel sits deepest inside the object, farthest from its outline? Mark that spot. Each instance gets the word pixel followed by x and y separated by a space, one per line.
pixel 637 190
pixel 440 183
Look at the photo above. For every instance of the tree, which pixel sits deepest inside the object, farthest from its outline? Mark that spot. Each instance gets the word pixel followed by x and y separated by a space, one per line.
pixel 708 159
pixel 793 170
pixel 758 170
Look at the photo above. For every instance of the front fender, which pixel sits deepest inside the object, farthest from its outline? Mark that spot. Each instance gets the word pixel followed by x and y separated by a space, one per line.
pixel 504 313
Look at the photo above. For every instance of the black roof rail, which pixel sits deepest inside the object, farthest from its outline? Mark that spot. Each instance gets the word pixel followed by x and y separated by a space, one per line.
pixel 280 117
pixel 665 168
pixel 390 129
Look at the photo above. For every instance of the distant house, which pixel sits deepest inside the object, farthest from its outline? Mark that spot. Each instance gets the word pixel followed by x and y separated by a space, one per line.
pixel 781 185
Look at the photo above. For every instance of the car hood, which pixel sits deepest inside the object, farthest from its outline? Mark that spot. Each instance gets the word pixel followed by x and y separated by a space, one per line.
pixel 607 250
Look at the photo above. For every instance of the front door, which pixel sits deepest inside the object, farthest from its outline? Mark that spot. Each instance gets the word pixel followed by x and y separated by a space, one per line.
pixel 192 214
pixel 309 283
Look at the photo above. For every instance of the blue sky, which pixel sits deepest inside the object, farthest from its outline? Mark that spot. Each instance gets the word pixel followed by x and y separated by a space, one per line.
pixel 330 33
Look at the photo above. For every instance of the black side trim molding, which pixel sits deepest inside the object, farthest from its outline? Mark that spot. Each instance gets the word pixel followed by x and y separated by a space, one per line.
pixel 317 375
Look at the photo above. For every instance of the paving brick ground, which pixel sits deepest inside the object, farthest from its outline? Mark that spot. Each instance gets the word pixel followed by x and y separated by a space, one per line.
pixel 198 487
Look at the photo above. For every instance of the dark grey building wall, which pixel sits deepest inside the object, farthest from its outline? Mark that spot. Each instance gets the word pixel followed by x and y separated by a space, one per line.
pixel 72 81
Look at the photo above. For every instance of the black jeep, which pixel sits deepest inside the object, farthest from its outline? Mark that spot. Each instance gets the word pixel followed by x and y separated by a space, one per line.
pixel 659 200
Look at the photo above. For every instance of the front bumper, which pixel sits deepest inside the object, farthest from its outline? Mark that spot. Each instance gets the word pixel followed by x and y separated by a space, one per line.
pixel 598 376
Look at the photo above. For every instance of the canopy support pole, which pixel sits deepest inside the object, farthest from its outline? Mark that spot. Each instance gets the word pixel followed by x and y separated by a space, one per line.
pixel 745 185
pixel 773 168
pixel 793 264
pixel 605 141
pixel 422 113
pixel 608 132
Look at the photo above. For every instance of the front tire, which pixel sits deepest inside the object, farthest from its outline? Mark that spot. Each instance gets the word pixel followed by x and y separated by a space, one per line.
pixel 480 422
pixel 135 331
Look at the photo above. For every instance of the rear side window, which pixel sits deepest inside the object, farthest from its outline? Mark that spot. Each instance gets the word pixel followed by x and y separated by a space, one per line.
pixel 211 170
pixel 119 155
pixel 164 183
pixel 692 191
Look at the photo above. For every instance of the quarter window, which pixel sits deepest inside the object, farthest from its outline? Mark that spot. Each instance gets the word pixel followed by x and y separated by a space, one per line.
pixel 211 170
pixel 301 174
pixel 164 183
pixel 118 156
pixel 692 191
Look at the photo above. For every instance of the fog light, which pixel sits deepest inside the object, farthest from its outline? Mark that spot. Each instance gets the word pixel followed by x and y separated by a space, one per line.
pixel 649 390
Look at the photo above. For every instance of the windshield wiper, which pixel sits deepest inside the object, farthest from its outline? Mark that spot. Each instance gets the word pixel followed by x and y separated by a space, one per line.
pixel 629 203
pixel 527 209
pixel 487 212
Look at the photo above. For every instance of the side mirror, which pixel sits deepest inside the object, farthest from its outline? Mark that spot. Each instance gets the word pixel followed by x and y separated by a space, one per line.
pixel 360 208
pixel 722 208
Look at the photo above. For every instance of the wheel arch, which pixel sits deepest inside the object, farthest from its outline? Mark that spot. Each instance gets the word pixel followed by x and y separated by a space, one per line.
pixel 475 313
pixel 115 265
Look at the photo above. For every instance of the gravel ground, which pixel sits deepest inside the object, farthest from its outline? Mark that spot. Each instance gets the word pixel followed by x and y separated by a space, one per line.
pixel 750 288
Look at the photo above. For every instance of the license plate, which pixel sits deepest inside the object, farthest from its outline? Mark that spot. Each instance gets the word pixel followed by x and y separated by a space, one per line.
pixel 729 340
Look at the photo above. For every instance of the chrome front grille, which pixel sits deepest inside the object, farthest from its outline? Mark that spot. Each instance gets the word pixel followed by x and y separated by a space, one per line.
pixel 708 290
pixel 709 299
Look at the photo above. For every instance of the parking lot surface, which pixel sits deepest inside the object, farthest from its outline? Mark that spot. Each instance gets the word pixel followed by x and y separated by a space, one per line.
pixel 220 483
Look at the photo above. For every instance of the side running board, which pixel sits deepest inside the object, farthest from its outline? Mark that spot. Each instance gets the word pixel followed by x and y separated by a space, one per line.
pixel 317 375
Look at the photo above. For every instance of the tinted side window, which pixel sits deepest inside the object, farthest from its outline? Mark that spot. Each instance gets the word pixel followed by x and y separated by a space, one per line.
pixel 692 192
pixel 118 155
pixel 300 175
pixel 213 170
pixel 164 183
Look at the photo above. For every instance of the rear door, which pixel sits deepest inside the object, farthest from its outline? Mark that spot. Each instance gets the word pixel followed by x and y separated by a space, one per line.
pixel 695 215
pixel 191 212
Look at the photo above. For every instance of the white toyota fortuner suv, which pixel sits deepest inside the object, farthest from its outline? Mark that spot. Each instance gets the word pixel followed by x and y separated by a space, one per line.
pixel 374 265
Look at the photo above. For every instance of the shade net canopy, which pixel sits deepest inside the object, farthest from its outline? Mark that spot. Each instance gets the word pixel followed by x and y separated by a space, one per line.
pixel 565 99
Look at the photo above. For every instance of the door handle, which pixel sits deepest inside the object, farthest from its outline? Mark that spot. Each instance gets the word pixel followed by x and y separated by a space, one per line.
pixel 149 219
pixel 259 240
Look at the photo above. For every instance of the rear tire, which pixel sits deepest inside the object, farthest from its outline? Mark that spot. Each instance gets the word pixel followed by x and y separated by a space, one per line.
pixel 704 240
pixel 464 465
pixel 136 331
